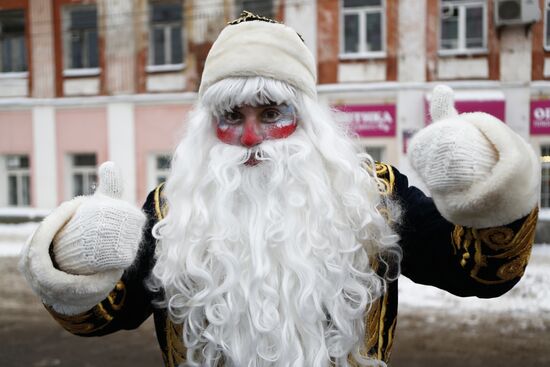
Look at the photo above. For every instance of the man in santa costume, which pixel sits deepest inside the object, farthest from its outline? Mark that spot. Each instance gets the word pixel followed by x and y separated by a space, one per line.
pixel 274 242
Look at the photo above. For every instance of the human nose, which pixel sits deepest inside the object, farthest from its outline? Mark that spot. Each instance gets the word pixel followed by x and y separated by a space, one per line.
pixel 251 134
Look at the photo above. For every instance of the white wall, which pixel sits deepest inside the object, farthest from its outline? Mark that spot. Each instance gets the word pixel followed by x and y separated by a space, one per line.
pixel 515 55
pixel 13 85
pixel 518 101
pixel 411 117
pixel 165 82
pixel 121 145
pixel 119 44
pixel 373 71
pixel 411 53
pixel 459 68
pixel 3 182
pixel 302 16
pixel 44 165
pixel 81 86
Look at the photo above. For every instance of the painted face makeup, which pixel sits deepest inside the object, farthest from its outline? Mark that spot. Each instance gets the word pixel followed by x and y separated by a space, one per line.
pixel 249 126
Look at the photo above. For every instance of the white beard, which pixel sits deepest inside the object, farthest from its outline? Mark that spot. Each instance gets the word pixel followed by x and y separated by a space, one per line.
pixel 268 265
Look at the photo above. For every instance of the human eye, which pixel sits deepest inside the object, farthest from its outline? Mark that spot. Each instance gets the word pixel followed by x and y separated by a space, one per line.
pixel 232 117
pixel 270 115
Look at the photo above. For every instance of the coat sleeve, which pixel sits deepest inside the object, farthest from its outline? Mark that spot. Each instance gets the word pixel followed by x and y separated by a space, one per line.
pixel 129 304
pixel 462 260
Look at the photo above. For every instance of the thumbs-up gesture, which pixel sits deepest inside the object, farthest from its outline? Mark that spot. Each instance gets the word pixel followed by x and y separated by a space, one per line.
pixel 451 154
pixel 479 172
pixel 105 231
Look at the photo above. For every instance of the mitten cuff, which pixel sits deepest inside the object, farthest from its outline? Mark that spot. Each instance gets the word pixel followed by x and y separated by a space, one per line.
pixel 508 193
pixel 66 293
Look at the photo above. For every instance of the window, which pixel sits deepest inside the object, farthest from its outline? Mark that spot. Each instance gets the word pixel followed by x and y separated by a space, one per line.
pixel 262 8
pixel 362 30
pixel 80 39
pixel 17 168
pixel 463 26
pixel 545 184
pixel 165 35
pixel 377 153
pixel 162 168
pixel 13 50
pixel 83 174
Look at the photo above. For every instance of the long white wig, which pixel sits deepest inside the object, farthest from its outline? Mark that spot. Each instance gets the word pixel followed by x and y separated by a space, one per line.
pixel 271 265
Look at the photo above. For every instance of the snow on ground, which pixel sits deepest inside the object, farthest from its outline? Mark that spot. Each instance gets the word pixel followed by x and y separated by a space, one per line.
pixel 13 236
pixel 31 213
pixel 530 296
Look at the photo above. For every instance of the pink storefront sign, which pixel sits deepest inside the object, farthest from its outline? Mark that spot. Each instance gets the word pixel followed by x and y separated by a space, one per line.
pixel 369 120
pixel 540 117
pixel 496 108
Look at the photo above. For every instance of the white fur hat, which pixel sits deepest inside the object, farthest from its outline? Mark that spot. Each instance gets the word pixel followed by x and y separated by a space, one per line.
pixel 255 46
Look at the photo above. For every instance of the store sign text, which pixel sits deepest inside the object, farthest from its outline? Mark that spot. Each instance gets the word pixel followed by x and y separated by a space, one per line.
pixel 540 117
pixel 369 120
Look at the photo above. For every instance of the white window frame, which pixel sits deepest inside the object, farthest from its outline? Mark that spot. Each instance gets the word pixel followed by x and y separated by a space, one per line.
pixel 239 8
pixel 461 50
pixel 151 68
pixel 545 163
pixel 153 171
pixel 362 12
pixel 70 71
pixel 19 173
pixel 73 170
pixel 546 41
pixel 18 74
pixel 383 150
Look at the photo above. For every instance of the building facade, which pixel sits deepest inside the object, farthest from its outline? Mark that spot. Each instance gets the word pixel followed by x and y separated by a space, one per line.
pixel 84 81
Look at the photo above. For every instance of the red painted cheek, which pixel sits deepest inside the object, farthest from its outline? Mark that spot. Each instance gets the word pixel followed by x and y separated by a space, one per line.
pixel 228 134
pixel 280 132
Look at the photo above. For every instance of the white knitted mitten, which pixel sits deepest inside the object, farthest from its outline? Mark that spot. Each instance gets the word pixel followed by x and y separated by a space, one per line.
pixel 479 172
pixel 104 233
pixel 452 154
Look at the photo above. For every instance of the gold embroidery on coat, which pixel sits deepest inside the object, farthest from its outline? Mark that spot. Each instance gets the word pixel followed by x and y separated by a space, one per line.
pixel 386 177
pixel 374 330
pixel 117 296
pixel 493 245
pixel 95 319
pixel 391 331
pixel 160 210
pixel 380 354
pixel 373 326
pixel 174 339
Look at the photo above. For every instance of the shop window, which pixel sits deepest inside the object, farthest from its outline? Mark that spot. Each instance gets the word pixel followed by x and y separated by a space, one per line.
pixel 18 175
pixel 80 40
pixel 165 35
pixel 377 153
pixel 83 175
pixel 463 26
pixel 362 28
pixel 545 184
pixel 13 48
pixel 161 168
pixel 263 8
